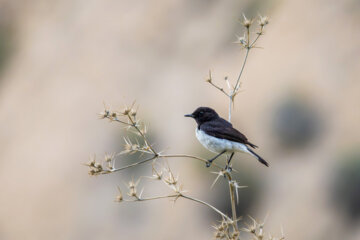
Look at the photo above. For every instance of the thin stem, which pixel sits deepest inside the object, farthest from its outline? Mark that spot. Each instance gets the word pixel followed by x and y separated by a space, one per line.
pixel 233 203
pixel 153 198
pixel 248 47
pixel 155 157
pixel 219 88
pixel 119 121
pixel 208 205
pixel 230 107
pixel 129 166
pixel 257 37
pixel 237 85
pixel 187 156
pixel 231 186
pixel 186 197
pixel 248 35
pixel 231 102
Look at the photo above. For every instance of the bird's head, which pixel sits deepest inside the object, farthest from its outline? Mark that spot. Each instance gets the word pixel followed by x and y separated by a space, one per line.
pixel 203 114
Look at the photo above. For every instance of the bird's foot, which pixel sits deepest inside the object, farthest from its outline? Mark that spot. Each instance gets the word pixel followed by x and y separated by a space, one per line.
pixel 228 168
pixel 208 163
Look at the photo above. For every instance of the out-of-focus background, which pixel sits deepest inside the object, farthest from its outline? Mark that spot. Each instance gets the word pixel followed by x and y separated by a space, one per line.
pixel 61 59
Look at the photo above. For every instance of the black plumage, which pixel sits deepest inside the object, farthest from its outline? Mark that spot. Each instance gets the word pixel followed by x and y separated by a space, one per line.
pixel 220 128
pixel 213 125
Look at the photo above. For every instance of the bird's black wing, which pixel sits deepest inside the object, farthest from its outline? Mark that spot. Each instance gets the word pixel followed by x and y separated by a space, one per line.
pixel 220 128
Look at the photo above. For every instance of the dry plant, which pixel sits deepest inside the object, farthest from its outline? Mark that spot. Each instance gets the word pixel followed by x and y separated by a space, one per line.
pixel 228 227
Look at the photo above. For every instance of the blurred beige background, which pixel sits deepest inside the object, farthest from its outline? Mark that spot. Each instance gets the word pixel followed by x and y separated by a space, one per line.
pixel 61 59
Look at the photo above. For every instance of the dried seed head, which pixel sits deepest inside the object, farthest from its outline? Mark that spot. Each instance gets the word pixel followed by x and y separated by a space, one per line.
pixel 242 41
pixel 128 146
pixel 171 180
pixel 133 112
pixel 126 111
pixel 157 175
pixel 114 115
pixel 134 148
pixel 263 20
pixel 221 227
pixel 109 157
pixel 91 163
pixel 132 184
pixel 119 197
pixel 132 192
pixel 219 235
pixel 98 166
pixel 209 79
pixel 260 236
pixel 92 172
pixel 110 167
pixel 246 22
pixel 104 114
pixel 235 235
pixel 132 188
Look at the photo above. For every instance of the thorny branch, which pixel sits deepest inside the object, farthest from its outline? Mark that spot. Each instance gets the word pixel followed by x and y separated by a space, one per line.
pixel 168 178
pixel 97 168
pixel 245 43
pixel 128 118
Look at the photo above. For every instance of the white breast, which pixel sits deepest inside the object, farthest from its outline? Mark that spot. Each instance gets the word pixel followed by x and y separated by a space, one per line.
pixel 219 145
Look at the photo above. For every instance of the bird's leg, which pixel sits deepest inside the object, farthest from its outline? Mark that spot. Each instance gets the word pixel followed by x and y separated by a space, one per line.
pixel 208 164
pixel 227 167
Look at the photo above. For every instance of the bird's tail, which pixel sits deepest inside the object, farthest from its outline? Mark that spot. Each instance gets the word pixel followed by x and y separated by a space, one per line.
pixel 260 159
pixel 252 145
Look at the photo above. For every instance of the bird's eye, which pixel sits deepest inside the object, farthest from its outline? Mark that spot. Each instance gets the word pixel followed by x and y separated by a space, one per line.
pixel 201 113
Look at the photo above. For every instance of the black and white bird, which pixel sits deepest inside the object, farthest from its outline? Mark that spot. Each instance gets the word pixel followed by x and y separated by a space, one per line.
pixel 218 135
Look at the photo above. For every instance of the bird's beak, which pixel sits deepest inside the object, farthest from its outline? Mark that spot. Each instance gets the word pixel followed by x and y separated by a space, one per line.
pixel 189 115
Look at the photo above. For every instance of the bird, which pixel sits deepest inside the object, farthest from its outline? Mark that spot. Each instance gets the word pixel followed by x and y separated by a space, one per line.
pixel 219 136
